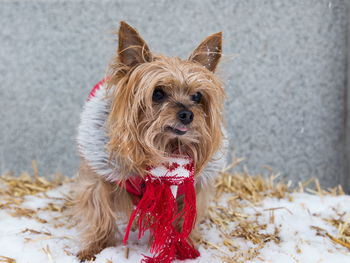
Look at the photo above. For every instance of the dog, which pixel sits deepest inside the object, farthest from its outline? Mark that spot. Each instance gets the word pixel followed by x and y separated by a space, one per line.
pixel 148 107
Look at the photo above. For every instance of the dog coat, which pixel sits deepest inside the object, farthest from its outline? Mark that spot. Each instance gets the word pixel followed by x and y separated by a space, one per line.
pixel 153 194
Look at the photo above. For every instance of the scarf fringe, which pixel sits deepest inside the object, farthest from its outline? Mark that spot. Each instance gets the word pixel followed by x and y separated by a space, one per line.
pixel 158 212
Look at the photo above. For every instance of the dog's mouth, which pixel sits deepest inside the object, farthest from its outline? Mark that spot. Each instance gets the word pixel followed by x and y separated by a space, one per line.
pixel 178 130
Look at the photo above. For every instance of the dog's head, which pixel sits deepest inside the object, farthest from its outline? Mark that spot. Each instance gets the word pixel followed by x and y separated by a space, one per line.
pixel 163 105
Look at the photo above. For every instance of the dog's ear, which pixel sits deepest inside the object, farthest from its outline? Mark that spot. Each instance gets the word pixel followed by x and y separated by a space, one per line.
pixel 132 49
pixel 208 53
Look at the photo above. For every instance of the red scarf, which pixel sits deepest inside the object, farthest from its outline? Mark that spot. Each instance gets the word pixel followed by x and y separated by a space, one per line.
pixel 157 211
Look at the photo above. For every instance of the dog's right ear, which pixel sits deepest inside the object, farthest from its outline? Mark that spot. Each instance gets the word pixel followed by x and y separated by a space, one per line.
pixel 132 49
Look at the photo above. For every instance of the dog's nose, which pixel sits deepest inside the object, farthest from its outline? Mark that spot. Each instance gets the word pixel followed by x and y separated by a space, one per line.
pixel 185 116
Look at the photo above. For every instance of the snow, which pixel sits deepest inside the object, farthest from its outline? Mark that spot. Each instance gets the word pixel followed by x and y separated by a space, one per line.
pixel 295 218
pixel 296 232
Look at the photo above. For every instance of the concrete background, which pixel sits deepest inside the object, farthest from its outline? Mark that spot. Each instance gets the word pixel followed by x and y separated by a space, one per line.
pixel 285 70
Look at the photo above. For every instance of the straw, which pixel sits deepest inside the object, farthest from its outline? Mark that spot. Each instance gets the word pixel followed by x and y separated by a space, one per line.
pixel 239 190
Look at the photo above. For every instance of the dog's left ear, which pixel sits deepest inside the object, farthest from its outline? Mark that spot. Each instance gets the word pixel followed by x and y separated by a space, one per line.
pixel 132 49
pixel 208 53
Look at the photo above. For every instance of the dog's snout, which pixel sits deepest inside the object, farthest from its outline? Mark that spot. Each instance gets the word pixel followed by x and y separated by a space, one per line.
pixel 185 116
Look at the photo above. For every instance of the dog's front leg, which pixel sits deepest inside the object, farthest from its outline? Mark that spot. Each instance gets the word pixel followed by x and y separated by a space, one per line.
pixel 96 206
pixel 204 194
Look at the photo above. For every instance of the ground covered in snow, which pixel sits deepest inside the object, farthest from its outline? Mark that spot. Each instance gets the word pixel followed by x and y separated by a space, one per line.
pixel 252 220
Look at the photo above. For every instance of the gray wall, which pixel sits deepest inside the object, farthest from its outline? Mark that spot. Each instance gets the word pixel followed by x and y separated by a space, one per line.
pixel 346 179
pixel 285 70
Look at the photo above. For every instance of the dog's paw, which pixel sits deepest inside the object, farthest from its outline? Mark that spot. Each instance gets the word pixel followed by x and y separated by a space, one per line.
pixel 86 255
pixel 196 236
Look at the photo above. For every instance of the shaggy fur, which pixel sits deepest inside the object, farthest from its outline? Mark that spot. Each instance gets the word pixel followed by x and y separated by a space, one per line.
pixel 134 131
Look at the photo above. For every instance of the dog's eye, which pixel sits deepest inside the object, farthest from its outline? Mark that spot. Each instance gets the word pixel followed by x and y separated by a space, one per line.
pixel 158 95
pixel 197 97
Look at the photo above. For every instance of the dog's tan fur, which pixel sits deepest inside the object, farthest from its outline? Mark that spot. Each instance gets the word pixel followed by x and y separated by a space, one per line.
pixel 137 129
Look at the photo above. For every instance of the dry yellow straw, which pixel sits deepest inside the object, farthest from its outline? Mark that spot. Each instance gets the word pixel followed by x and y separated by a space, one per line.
pixel 241 190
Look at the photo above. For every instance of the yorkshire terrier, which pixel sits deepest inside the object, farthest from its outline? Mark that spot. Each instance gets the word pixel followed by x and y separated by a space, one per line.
pixel 148 107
